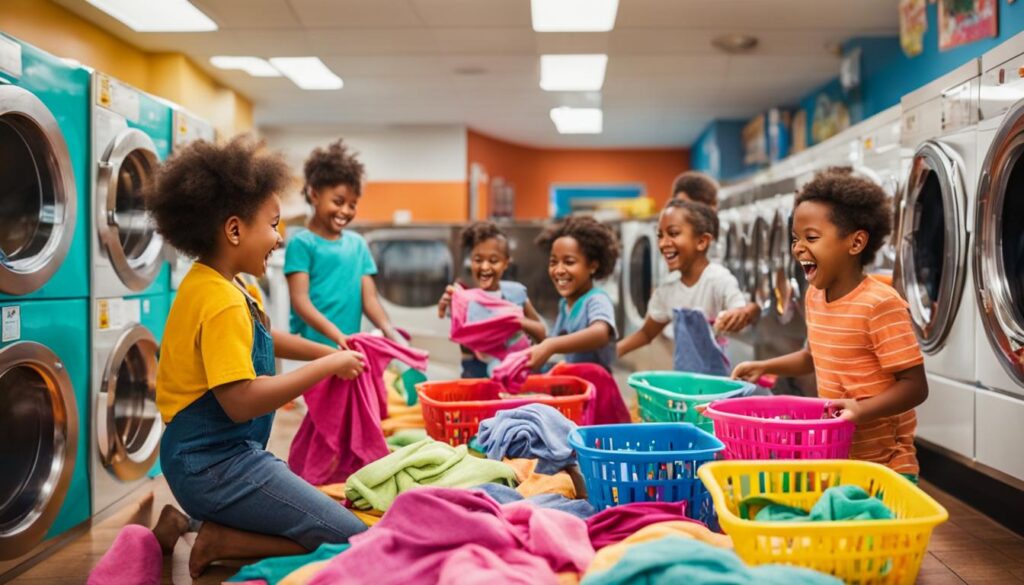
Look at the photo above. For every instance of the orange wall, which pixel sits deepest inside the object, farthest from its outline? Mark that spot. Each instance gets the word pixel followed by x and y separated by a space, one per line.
pixel 437 201
pixel 533 170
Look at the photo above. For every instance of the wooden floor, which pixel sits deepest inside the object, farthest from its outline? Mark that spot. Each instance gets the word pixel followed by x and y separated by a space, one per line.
pixel 970 548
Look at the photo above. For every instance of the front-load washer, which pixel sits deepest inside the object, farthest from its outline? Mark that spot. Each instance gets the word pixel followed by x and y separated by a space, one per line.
pixel 188 128
pixel 641 274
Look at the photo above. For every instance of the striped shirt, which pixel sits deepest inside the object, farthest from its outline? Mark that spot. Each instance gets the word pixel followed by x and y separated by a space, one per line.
pixel 858 343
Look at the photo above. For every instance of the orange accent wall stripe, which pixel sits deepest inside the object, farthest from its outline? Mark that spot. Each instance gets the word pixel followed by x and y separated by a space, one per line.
pixel 437 201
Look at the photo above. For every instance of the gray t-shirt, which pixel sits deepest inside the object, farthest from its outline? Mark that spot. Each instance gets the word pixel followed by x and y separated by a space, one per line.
pixel 594 305
pixel 715 291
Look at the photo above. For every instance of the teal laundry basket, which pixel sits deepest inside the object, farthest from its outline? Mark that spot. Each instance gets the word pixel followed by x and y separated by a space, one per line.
pixel 673 396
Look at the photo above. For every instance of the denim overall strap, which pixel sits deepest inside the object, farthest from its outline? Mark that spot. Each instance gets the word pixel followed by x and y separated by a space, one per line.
pixel 262 362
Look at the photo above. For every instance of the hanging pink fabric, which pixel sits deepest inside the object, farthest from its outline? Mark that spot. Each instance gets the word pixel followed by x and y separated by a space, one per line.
pixel 341 433
pixel 135 557
pixel 607 407
pixel 496 335
pixel 513 370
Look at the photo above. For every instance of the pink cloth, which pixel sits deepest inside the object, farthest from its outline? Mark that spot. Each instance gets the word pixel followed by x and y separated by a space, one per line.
pixel 432 535
pixel 607 407
pixel 341 433
pixel 513 370
pixel 135 558
pixel 496 335
pixel 475 565
pixel 614 524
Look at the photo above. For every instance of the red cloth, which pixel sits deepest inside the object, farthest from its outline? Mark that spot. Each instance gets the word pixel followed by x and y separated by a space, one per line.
pixel 135 557
pixel 614 524
pixel 513 371
pixel 341 433
pixel 607 407
pixel 495 336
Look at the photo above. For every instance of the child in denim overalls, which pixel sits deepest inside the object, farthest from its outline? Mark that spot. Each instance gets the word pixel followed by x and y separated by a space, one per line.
pixel 216 388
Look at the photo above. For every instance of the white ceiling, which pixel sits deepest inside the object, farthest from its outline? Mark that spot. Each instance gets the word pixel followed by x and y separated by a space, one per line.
pixel 399 60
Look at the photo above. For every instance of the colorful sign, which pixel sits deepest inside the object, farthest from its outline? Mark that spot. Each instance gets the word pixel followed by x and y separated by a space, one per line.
pixel 913 25
pixel 966 21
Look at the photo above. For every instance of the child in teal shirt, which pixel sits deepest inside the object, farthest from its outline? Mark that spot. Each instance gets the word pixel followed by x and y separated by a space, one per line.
pixel 330 270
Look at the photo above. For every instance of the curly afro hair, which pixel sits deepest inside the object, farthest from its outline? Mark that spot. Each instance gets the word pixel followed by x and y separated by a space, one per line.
pixel 701 218
pixel 334 165
pixel 597 241
pixel 481 231
pixel 855 204
pixel 200 187
pixel 697 187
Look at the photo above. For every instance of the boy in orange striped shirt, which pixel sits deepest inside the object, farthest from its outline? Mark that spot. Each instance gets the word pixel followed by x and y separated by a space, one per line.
pixel 860 343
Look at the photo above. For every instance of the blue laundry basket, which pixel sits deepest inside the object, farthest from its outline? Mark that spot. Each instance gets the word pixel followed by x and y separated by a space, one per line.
pixel 650 462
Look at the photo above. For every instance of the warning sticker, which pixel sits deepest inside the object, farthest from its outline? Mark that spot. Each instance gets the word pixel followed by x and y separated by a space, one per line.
pixel 11 323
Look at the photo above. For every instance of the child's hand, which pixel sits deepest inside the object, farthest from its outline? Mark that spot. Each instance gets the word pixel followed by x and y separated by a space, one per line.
pixel 732 320
pixel 446 300
pixel 348 364
pixel 341 340
pixel 749 371
pixel 539 355
pixel 846 409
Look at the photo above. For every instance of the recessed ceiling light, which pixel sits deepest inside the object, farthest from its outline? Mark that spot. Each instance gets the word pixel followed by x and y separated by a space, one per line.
pixel 577 120
pixel 735 43
pixel 307 72
pixel 157 15
pixel 574 15
pixel 252 65
pixel 572 72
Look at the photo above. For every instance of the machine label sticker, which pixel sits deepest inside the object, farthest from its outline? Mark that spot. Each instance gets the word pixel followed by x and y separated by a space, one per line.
pixel 11 323
pixel 102 314
pixel 10 57
pixel 118 313
pixel 118 97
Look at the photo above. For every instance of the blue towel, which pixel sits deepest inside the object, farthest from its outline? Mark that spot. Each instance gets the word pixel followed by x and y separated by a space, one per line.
pixel 506 495
pixel 274 569
pixel 533 431
pixel 673 559
pixel 697 350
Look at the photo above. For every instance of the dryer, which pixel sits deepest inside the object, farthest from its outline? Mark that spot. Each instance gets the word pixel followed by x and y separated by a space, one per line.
pixel 44 391
pixel 883 159
pixel 126 429
pixel 936 218
pixel 642 271
pixel 43 176
pixel 187 128
pixel 131 134
pixel 998 261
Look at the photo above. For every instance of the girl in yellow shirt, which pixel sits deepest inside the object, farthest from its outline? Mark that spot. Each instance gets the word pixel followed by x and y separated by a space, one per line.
pixel 216 388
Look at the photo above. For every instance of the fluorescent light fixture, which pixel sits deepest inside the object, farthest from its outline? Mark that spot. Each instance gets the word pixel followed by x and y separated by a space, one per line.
pixel 572 72
pixel 157 15
pixel 574 15
pixel 252 65
pixel 307 72
pixel 578 120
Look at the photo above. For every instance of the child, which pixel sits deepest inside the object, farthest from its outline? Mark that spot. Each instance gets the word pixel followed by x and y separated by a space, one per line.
pixel 215 388
pixel 581 251
pixel 488 260
pixel 329 269
pixel 685 232
pixel 696 187
pixel 860 343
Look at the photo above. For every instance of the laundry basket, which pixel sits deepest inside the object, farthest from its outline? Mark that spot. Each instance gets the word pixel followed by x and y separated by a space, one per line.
pixel 673 396
pixel 780 427
pixel 453 409
pixel 862 552
pixel 648 462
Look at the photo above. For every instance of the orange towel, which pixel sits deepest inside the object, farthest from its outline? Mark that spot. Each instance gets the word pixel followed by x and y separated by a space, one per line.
pixel 532 483
pixel 337 492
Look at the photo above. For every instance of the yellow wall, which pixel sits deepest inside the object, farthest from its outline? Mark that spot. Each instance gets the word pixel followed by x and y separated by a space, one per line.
pixel 171 76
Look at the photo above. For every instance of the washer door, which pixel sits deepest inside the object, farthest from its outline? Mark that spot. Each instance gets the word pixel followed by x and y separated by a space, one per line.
pixel 37 193
pixel 933 243
pixel 413 266
pixel 128 424
pixel 785 289
pixel 735 251
pixel 126 230
pixel 999 253
pixel 640 276
pixel 762 277
pixel 39 439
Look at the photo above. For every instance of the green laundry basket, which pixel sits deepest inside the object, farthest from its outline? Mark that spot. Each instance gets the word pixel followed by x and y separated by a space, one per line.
pixel 673 396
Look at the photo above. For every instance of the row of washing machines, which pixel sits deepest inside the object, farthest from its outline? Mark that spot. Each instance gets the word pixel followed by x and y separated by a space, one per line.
pixel 950 155
pixel 85 288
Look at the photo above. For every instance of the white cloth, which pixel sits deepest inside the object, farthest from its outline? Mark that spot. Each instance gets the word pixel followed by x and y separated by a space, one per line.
pixel 715 291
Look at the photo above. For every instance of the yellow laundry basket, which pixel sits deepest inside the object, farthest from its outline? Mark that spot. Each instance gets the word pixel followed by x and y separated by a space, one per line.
pixel 862 552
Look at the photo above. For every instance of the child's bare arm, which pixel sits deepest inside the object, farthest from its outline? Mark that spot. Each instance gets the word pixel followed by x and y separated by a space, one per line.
pixel 646 334
pixel 798 363
pixel 375 311
pixel 532 323
pixel 736 319
pixel 595 336
pixel 295 347
pixel 298 291
pixel 908 391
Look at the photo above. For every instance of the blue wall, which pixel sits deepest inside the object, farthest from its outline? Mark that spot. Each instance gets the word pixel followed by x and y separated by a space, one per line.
pixel 718 151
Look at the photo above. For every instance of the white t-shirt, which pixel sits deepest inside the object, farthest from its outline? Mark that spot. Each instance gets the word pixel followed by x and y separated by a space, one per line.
pixel 716 290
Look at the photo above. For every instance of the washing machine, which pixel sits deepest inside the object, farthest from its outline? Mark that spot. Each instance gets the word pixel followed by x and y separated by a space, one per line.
pixel 642 270
pixel 760 282
pixel 998 261
pixel 43 174
pixel 939 124
pixel 730 231
pixel 126 425
pixel 44 390
pixel 882 158
pixel 131 134
pixel 187 128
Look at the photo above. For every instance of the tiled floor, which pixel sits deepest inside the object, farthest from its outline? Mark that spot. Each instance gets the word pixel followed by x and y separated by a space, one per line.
pixel 970 548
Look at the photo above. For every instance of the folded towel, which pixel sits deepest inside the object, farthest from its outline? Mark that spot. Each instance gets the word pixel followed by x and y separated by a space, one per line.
pixel 134 558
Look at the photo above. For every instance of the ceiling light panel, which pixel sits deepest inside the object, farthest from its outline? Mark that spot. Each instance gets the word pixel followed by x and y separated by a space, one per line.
pixel 307 72
pixel 574 15
pixel 254 66
pixel 572 72
pixel 157 15
pixel 578 120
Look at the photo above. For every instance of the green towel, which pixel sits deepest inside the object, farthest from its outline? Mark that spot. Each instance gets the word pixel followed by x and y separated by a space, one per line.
pixel 427 462
pixel 273 569
pixel 842 502
pixel 673 559
pixel 405 438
